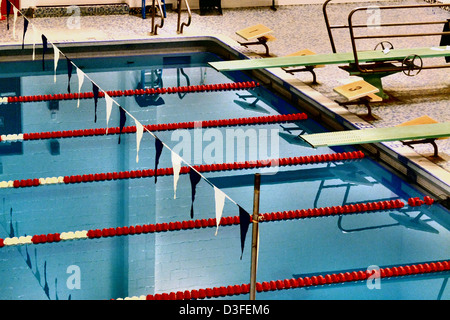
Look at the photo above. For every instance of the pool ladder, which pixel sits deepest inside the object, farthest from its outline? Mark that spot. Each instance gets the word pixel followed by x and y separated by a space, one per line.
pixel 184 24
pixel 156 4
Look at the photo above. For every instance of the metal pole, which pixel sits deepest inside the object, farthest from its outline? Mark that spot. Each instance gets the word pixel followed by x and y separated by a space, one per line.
pixel 255 231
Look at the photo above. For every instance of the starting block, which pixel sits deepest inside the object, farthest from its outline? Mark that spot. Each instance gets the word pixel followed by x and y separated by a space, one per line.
pixel 421 120
pixel 259 32
pixel 359 92
pixel 309 68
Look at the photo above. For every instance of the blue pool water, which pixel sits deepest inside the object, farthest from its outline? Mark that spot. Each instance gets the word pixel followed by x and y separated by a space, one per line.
pixel 135 265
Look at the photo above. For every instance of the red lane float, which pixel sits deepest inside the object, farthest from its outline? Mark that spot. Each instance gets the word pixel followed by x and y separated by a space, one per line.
pixel 225 221
pixel 282 118
pixel 292 161
pixel 119 93
pixel 316 280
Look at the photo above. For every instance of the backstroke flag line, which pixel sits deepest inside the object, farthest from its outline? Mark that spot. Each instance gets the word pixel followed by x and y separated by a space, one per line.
pixel 194 175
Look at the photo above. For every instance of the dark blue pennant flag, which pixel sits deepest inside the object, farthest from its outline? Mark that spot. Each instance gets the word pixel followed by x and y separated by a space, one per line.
pixel 44 48
pixel 244 222
pixel 8 10
pixel 25 27
pixel 445 39
pixel 195 179
pixel 95 90
pixel 158 147
pixel 123 119
pixel 69 72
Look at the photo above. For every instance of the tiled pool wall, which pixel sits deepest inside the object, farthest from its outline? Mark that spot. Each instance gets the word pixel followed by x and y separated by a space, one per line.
pixel 142 263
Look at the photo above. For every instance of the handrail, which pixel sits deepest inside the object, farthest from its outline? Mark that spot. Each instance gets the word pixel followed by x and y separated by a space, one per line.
pixel 329 27
pixel 353 37
pixel 343 26
pixel 179 24
pixel 155 27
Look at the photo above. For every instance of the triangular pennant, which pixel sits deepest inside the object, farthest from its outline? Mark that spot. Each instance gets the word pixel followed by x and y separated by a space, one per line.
pixel 176 164
pixel 195 178
pixel 123 119
pixel 244 222
pixel 34 41
pixel 44 49
pixel 25 27
pixel 16 11
pixel 55 59
pixel 80 75
pixel 219 196
pixel 139 133
pixel 445 39
pixel 109 102
pixel 8 10
pixel 69 72
pixel 158 146
pixel 95 91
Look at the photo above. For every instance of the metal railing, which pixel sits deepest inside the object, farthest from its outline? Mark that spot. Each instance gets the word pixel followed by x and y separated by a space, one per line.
pixel 155 27
pixel 352 26
pixel 180 25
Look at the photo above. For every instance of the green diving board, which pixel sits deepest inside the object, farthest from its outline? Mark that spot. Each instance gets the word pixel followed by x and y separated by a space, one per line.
pixel 332 58
pixel 372 135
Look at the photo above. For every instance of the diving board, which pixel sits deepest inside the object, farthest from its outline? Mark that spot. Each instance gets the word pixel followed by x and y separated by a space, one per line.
pixel 330 58
pixel 373 135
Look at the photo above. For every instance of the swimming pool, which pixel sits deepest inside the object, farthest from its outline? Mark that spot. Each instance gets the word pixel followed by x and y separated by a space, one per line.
pixel 188 256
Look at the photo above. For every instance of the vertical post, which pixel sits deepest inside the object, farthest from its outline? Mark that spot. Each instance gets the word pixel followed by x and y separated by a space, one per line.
pixel 179 16
pixel 255 232
pixel 153 17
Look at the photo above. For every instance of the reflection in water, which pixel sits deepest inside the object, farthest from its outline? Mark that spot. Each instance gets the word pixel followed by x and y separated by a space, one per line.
pixel 253 106
pixel 13 231
pixel 150 79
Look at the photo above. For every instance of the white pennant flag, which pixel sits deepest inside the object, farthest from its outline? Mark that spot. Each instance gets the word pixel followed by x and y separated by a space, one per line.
pixel 56 59
pixel 80 75
pixel 109 102
pixel 220 201
pixel 176 164
pixel 139 132
pixel 34 41
pixel 15 19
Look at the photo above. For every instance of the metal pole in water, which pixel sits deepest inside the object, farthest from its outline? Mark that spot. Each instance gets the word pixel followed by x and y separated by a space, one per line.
pixel 255 236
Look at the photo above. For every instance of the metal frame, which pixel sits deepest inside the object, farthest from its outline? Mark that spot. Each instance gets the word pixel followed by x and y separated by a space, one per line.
pixel 184 24
pixel 379 67
pixel 155 27
pixel 261 41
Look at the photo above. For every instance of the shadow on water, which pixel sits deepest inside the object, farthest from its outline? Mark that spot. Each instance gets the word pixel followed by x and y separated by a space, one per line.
pixel 13 232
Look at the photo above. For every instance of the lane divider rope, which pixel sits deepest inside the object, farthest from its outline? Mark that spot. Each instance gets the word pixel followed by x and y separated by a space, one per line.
pixel 282 118
pixel 292 161
pixel 301 282
pixel 118 93
pixel 211 222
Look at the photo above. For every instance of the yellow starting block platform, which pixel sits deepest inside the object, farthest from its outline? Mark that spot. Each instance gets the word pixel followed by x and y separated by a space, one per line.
pixel 359 92
pixel 425 131
pixel 254 32
pixel 356 90
pixel 258 32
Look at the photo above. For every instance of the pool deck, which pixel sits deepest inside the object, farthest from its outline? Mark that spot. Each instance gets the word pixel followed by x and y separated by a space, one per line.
pixel 411 97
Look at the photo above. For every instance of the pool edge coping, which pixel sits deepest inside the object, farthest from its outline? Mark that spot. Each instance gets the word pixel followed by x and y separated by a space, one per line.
pixel 404 159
